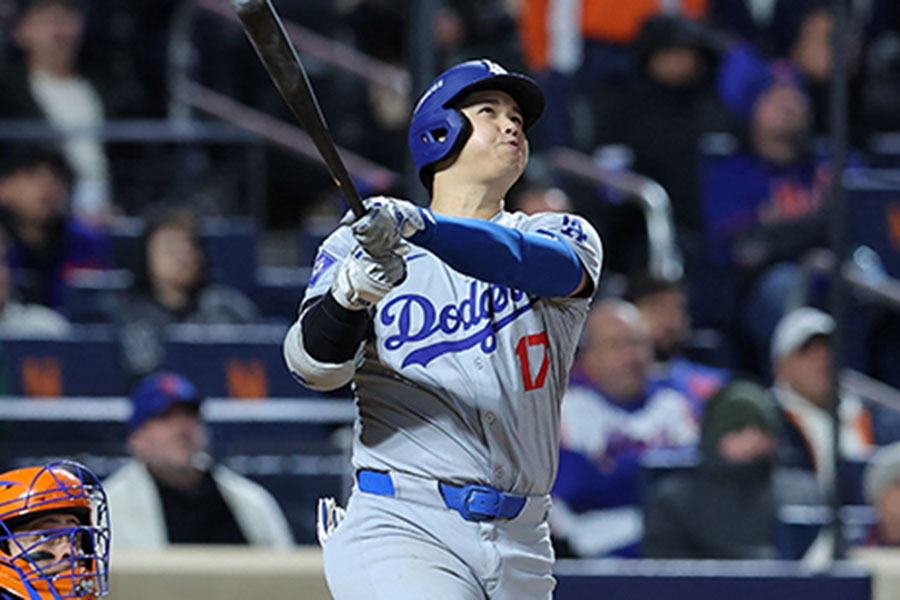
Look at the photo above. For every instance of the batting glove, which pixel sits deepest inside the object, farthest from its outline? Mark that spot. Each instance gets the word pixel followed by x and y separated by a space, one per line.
pixel 362 279
pixel 387 222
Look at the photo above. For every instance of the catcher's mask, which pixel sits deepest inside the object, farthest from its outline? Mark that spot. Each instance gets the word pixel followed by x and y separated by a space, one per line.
pixel 44 553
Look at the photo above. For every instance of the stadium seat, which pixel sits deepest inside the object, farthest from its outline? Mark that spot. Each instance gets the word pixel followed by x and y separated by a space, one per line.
pixel 84 364
pixel 278 292
pixel 797 527
pixel 883 150
pixel 233 361
pixel 88 294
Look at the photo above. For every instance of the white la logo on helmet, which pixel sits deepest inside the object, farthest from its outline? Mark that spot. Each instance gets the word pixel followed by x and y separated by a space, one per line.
pixel 494 68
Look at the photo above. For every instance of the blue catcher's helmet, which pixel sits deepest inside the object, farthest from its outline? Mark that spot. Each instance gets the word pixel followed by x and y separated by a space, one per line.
pixel 439 130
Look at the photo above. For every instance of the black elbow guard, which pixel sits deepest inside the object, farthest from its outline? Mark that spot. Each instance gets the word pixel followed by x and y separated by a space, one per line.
pixel 332 333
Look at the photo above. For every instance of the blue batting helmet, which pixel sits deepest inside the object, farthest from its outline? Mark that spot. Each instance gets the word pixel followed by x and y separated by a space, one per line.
pixel 439 130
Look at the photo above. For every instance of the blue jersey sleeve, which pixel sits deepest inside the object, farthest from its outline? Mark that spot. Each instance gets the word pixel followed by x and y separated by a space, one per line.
pixel 541 264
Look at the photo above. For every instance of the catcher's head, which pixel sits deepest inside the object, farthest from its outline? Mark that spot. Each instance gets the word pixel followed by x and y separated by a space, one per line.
pixel 54 532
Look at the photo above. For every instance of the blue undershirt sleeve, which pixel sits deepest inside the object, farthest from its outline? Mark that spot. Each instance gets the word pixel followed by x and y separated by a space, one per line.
pixel 540 265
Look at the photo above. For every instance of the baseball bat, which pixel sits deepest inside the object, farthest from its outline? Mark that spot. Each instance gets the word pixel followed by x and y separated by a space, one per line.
pixel 266 32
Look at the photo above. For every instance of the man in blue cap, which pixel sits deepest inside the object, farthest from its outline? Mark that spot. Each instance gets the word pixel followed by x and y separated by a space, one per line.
pixel 172 492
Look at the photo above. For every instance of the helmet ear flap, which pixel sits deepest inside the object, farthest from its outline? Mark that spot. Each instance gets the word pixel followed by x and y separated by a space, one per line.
pixel 453 141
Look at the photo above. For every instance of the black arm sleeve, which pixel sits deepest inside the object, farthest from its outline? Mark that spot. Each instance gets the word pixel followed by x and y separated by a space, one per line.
pixel 332 333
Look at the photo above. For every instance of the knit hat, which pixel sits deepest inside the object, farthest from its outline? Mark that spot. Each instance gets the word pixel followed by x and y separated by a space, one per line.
pixel 736 406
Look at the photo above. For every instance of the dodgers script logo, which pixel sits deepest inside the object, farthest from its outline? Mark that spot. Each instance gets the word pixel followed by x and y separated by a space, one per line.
pixel 418 320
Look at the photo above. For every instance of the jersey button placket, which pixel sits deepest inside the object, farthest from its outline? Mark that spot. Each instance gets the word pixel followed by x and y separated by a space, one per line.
pixel 489 418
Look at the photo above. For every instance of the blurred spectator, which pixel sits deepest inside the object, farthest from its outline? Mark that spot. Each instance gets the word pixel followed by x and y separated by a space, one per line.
pixel 726 509
pixel 46 243
pixel 172 492
pixel 48 83
pixel 765 204
pixel 801 363
pixel 663 305
pixel 882 487
pixel 579 48
pixel 748 20
pixel 21 319
pixel 537 198
pixel 171 286
pixel 662 112
pixel 808 39
pixel 612 414
pixel 376 116
pixel 882 69
pixel 465 29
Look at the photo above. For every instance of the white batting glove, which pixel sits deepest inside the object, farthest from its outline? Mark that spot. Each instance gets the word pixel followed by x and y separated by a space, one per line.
pixel 328 516
pixel 362 279
pixel 387 222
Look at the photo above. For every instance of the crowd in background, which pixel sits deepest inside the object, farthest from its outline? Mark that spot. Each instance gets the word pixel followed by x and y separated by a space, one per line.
pixel 638 86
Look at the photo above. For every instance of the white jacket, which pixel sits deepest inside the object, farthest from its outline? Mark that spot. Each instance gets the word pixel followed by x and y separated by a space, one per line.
pixel 137 519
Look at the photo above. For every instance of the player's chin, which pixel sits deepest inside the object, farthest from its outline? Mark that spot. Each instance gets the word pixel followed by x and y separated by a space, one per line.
pixel 515 161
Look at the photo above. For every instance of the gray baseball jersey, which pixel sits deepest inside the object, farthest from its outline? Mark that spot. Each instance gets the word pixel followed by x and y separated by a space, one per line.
pixel 463 379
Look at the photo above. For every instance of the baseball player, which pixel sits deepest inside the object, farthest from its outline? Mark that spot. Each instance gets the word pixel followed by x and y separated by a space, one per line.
pixel 457 325
pixel 54 533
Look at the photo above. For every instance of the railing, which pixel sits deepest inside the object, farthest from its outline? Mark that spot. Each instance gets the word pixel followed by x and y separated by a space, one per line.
pixel 323 49
pixel 279 132
pixel 213 410
pixel 664 255
pixel 187 94
pixel 128 130
pixel 862 385
pixel 872 285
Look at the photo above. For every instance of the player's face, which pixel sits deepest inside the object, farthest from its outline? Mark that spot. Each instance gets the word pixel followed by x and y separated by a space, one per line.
pixel 49 546
pixel 497 148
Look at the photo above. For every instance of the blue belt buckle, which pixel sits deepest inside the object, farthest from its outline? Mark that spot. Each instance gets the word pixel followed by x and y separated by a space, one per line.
pixel 479 502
